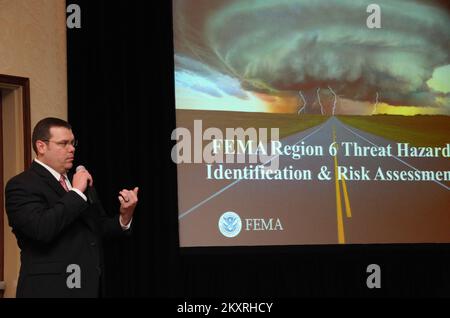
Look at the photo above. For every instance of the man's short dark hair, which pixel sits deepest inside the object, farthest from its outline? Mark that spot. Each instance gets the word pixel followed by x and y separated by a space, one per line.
pixel 42 129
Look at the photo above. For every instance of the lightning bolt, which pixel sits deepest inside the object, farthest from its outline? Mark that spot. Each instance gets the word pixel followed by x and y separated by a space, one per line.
pixel 376 104
pixel 320 103
pixel 304 103
pixel 335 99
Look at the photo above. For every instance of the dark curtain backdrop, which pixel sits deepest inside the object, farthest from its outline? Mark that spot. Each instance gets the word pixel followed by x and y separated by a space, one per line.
pixel 121 105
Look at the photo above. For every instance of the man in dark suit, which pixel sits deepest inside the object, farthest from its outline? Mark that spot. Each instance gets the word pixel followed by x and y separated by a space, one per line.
pixel 57 227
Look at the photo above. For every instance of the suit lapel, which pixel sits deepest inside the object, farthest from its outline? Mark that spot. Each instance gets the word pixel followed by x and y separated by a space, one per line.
pixel 48 178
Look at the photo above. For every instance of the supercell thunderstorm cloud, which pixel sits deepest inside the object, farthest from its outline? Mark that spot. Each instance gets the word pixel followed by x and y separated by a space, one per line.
pixel 321 53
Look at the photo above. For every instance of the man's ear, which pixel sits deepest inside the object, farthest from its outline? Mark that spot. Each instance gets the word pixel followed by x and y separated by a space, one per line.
pixel 40 146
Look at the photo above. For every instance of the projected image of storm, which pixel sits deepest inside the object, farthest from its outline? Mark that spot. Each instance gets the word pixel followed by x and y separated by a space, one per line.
pixel 359 89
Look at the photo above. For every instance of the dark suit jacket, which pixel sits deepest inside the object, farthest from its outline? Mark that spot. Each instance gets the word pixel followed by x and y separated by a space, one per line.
pixel 55 229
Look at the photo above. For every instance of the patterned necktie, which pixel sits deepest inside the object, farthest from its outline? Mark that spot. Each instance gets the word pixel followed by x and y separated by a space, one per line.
pixel 62 180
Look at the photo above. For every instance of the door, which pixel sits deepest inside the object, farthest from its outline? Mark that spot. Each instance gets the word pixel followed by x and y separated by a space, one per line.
pixel 2 237
pixel 15 156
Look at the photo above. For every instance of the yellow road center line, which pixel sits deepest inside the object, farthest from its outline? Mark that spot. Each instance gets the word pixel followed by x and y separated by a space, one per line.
pixel 348 209
pixel 346 199
pixel 340 221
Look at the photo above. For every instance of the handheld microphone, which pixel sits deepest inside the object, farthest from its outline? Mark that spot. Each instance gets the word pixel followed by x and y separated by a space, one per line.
pixel 80 168
pixel 91 194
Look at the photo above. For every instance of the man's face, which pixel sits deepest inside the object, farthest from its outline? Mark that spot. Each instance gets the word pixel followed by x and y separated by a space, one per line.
pixel 58 152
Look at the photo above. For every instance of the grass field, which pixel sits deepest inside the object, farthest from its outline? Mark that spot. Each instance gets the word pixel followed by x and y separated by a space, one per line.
pixel 420 130
pixel 287 123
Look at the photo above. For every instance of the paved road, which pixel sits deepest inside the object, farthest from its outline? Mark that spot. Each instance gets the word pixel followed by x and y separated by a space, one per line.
pixel 319 212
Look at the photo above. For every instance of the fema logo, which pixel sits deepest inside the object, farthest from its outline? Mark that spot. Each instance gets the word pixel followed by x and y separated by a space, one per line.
pixel 230 224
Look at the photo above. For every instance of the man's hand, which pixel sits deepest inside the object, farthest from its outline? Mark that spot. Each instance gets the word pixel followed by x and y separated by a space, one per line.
pixel 128 200
pixel 81 180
